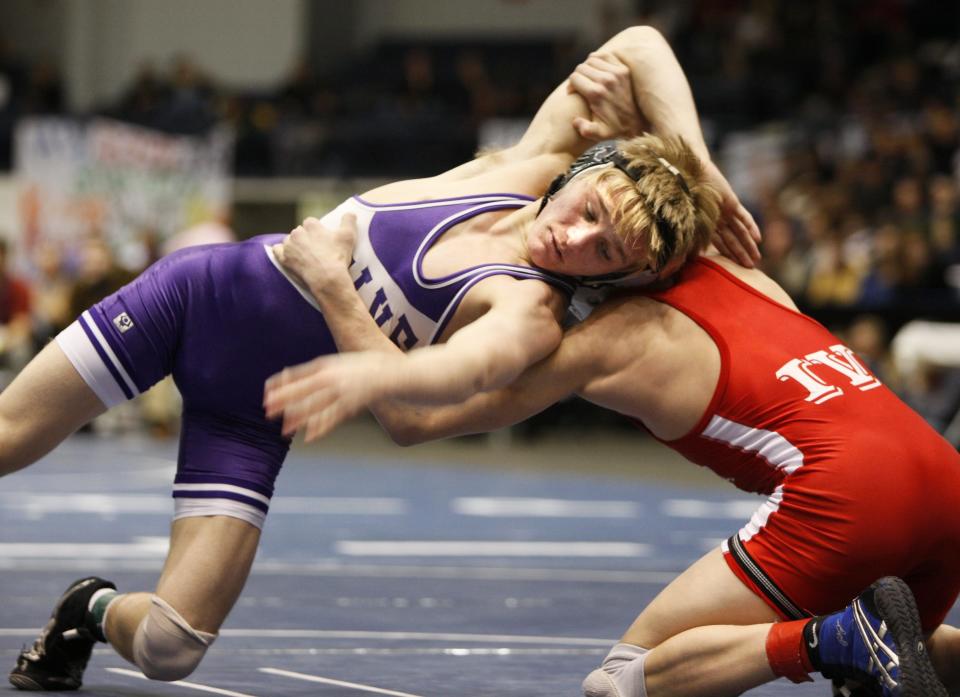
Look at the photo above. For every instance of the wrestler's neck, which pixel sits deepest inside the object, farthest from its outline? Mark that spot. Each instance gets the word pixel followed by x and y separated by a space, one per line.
pixel 512 227
pixel 492 237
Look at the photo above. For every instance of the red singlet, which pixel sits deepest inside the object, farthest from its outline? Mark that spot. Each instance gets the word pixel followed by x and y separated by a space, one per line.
pixel 859 485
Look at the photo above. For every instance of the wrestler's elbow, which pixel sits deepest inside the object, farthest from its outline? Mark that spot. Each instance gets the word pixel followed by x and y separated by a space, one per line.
pixel 407 436
pixel 641 46
pixel 404 430
pixel 640 35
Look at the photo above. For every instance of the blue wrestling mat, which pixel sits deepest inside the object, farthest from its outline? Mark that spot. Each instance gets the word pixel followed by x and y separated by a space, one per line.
pixel 375 577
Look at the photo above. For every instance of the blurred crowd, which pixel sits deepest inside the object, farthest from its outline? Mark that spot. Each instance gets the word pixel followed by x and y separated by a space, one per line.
pixel 34 308
pixel 839 123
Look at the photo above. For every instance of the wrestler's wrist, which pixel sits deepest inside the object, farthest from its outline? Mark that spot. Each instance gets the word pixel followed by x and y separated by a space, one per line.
pixel 331 287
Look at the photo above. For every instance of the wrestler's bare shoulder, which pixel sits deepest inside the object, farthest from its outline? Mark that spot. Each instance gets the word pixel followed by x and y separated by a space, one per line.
pixel 649 331
pixel 755 278
pixel 491 174
pixel 659 366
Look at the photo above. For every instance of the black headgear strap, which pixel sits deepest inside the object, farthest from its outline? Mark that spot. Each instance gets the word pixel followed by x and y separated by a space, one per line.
pixel 597 156
pixel 608 154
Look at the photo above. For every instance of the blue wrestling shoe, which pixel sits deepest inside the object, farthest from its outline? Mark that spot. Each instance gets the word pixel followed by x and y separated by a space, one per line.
pixel 876 642
pixel 58 657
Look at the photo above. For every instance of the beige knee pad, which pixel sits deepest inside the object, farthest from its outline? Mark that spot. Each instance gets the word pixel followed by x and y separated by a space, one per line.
pixel 165 646
pixel 620 675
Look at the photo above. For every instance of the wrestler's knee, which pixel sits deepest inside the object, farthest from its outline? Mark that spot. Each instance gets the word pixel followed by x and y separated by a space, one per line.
pixel 620 675
pixel 165 646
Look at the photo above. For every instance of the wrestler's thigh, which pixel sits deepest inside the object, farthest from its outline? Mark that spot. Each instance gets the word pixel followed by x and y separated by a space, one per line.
pixel 206 568
pixel 46 402
pixel 706 594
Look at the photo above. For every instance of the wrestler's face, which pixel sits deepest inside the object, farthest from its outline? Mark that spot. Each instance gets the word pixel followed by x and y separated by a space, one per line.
pixel 575 235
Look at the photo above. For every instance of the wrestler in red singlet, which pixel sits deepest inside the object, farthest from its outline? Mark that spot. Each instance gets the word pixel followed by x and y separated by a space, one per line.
pixel 859 485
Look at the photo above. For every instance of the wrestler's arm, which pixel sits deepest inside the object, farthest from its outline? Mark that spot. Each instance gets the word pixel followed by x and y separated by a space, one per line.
pixel 631 84
pixel 661 91
pixel 570 368
pixel 628 100
pixel 616 359
pixel 550 134
pixel 577 363
pixel 487 354
pixel 662 102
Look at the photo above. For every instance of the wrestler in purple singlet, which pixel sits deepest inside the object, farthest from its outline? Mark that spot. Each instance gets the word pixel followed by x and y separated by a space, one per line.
pixel 222 318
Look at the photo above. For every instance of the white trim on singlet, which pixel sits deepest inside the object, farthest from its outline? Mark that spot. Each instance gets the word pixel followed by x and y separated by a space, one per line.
pixel 492 201
pixel 294 281
pixel 105 345
pixel 466 214
pixel 249 493
pixel 83 355
pixel 440 202
pixel 472 275
pixel 769 445
pixel 761 516
pixel 375 208
pixel 187 506
pixel 193 508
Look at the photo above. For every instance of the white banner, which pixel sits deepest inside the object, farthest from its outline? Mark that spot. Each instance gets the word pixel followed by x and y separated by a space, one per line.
pixel 116 180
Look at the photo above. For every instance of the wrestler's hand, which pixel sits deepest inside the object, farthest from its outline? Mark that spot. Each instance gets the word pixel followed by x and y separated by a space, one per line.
pixel 603 80
pixel 315 254
pixel 320 395
pixel 737 234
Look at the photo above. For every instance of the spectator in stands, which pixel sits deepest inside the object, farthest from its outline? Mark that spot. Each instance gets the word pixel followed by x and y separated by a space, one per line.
pixel 51 294
pixel 879 286
pixel 15 326
pixel 867 336
pixel 944 220
pixel 908 206
pixel 833 279
pixel 782 259
pixel 98 275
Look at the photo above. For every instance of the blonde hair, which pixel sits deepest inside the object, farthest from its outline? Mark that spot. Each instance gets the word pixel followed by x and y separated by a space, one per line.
pixel 672 189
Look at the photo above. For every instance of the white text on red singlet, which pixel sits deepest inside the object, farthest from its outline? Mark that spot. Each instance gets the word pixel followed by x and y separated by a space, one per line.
pixel 839 359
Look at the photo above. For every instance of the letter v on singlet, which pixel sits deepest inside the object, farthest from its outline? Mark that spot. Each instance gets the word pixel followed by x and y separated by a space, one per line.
pixel 845 362
pixel 841 360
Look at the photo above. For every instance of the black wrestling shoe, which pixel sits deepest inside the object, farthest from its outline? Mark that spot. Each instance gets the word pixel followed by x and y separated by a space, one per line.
pixel 58 657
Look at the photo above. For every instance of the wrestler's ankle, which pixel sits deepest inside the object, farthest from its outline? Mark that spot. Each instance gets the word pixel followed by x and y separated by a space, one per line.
pixel 789 650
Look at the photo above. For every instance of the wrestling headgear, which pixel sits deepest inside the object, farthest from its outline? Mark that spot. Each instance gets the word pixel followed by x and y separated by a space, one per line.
pixel 607 154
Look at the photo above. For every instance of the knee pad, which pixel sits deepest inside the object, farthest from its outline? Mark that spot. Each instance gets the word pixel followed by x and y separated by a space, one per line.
pixel 620 674
pixel 165 646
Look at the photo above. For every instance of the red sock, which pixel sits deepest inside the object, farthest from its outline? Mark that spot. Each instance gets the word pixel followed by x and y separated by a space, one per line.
pixel 787 653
